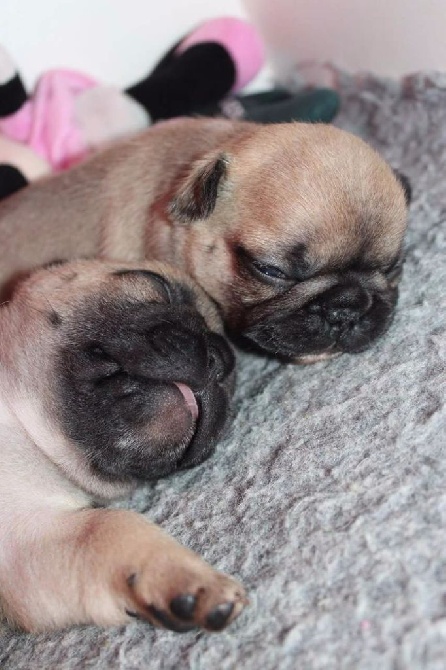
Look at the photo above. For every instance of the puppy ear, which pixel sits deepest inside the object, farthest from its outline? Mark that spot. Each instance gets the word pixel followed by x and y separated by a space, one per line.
pixel 197 195
pixel 405 183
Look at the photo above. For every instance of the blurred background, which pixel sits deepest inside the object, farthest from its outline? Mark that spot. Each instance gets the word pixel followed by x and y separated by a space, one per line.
pixel 118 41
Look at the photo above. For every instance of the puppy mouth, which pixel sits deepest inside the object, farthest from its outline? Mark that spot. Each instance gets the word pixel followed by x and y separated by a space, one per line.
pixel 316 358
pixel 307 335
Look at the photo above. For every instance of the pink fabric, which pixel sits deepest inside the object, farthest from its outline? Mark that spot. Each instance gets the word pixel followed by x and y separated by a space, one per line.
pixel 46 122
pixel 239 38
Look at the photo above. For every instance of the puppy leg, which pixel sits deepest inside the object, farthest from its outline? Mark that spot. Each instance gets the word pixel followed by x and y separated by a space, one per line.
pixel 106 566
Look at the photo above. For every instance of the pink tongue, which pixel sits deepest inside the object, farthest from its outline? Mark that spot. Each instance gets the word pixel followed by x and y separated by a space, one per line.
pixel 189 397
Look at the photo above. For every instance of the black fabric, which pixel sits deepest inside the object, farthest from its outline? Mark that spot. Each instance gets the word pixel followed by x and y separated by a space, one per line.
pixel 12 96
pixel 167 59
pixel 11 180
pixel 182 85
pixel 319 105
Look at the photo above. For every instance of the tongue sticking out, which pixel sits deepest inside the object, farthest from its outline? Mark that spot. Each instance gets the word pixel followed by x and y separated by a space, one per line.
pixel 189 397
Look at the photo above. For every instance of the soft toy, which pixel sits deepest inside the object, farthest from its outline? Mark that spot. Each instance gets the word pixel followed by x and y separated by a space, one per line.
pixel 70 114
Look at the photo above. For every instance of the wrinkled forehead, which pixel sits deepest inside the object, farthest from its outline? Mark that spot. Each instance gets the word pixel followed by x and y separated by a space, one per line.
pixel 336 203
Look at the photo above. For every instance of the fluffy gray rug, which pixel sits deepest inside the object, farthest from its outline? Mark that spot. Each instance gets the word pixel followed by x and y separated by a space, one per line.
pixel 327 498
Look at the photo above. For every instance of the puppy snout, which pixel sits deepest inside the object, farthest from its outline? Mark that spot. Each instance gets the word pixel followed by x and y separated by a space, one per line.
pixel 342 305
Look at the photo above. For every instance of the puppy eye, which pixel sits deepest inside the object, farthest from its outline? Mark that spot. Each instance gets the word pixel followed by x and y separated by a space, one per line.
pixel 258 268
pixel 270 271
pixel 163 286
pixel 395 269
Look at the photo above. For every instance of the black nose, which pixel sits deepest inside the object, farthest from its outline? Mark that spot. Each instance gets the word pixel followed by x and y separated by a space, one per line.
pixel 342 305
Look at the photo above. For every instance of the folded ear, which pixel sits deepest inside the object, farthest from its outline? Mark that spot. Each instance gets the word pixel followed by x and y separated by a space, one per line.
pixel 196 197
pixel 405 183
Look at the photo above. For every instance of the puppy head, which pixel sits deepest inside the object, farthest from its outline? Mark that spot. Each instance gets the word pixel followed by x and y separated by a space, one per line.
pixel 296 231
pixel 126 364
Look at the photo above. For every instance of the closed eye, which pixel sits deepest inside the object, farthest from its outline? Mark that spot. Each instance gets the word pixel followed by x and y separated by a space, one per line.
pixel 260 269
pixel 394 270
pixel 268 270
pixel 156 279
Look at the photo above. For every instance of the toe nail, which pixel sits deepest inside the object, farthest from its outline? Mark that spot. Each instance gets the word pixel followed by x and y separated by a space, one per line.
pixel 183 606
pixel 132 614
pixel 218 618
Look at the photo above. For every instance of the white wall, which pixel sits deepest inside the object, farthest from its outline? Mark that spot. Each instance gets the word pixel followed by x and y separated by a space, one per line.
pixel 119 40
pixel 389 37
pixel 116 41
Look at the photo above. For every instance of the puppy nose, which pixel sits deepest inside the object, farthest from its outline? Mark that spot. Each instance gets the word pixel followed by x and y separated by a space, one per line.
pixel 343 304
pixel 173 338
pixel 221 359
pixel 185 349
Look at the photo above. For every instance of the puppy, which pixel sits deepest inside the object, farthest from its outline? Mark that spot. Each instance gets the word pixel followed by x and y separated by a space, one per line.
pixel 294 230
pixel 111 374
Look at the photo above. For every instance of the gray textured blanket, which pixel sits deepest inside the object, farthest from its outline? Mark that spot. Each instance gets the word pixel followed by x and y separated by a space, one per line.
pixel 327 498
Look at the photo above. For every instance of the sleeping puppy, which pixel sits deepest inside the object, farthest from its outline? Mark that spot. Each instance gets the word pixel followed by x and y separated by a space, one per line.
pixel 111 374
pixel 294 230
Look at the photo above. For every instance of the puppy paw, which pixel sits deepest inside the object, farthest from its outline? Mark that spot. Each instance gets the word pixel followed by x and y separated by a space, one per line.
pixel 195 596
pixel 114 565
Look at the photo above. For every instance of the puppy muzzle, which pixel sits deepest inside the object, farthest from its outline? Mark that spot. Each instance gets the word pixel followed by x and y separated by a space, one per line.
pixel 147 397
pixel 346 318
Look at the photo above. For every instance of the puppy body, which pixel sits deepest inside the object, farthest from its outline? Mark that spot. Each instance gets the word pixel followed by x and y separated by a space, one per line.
pixel 91 404
pixel 294 230
pixel 110 206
